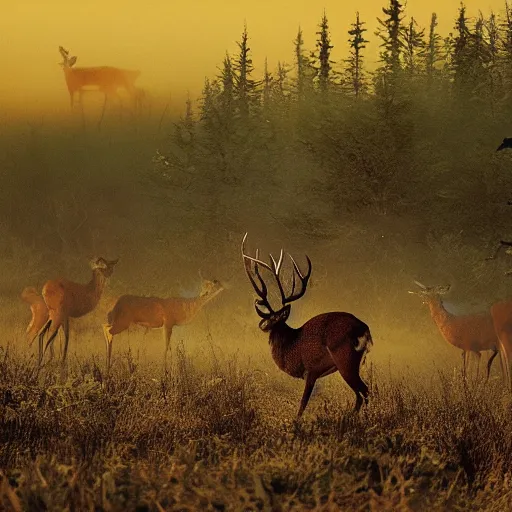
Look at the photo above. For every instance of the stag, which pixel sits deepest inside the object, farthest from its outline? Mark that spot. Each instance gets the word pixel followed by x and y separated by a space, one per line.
pixel 326 343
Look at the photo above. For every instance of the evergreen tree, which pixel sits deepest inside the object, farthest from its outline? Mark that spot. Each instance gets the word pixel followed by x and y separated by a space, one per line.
pixel 281 78
pixel 433 51
pixel 391 34
pixel 322 58
pixel 268 80
pixel 227 80
pixel 414 48
pixel 461 53
pixel 246 86
pixel 354 70
pixel 304 69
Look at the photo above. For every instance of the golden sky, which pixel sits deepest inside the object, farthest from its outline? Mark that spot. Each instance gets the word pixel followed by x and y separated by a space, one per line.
pixel 175 44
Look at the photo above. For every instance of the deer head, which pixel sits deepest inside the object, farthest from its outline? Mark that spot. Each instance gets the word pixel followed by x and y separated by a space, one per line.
pixel 270 317
pixel 67 61
pixel 210 288
pixel 106 267
pixel 427 293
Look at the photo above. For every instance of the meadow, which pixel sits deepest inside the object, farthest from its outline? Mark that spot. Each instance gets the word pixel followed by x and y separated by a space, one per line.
pixel 217 431
pixel 380 181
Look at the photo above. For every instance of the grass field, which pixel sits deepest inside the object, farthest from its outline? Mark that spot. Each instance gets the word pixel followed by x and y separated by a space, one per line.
pixel 217 432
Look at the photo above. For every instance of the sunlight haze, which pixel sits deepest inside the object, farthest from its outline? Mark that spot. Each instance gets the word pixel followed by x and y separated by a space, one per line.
pixel 175 44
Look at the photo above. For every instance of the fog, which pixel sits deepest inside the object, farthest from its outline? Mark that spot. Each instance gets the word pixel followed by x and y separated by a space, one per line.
pixel 175 45
pixel 379 191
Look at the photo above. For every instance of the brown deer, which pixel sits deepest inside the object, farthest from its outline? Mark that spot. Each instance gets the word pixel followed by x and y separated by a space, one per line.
pixel 501 313
pixel 156 313
pixel 106 79
pixel 471 333
pixel 324 344
pixel 66 299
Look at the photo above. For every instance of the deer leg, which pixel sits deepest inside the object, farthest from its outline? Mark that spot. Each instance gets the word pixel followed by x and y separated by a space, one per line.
pixel 348 362
pixel 489 362
pixel 108 344
pixel 464 365
pixel 102 111
pixel 65 325
pixel 41 334
pixel 167 341
pixel 308 389
pixel 479 357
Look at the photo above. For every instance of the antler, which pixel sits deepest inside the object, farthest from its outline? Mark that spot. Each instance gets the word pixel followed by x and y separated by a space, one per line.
pixel 263 291
pixel 275 268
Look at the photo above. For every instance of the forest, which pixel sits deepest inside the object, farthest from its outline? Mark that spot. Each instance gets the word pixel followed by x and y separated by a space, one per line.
pixel 381 176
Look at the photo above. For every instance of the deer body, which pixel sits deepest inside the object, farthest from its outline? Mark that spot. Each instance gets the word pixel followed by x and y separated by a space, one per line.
pixel 326 343
pixel 155 313
pixel 66 299
pixel 470 333
pixel 107 79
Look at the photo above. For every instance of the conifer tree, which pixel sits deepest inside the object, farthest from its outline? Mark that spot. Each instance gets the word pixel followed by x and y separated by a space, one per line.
pixel 461 53
pixel 246 86
pixel 433 51
pixel 391 34
pixel 322 57
pixel 354 71
pixel 414 48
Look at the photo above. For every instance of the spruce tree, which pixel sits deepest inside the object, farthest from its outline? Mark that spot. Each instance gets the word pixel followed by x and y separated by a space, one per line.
pixel 391 34
pixel 433 52
pixel 461 54
pixel 414 48
pixel 246 87
pixel 354 71
pixel 322 57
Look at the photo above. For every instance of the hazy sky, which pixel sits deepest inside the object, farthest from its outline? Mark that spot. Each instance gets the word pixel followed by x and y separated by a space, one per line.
pixel 175 44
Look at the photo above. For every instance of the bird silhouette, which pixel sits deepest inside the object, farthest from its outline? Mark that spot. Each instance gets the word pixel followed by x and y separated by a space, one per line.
pixel 507 143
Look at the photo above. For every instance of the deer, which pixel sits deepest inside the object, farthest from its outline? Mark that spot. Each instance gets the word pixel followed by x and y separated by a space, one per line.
pixel 501 313
pixel 107 79
pixel 472 334
pixel 326 343
pixel 156 313
pixel 66 299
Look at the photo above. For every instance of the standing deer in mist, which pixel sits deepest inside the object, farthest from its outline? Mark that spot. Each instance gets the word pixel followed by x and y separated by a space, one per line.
pixel 325 344
pixel 66 299
pixel 106 79
pixel 471 333
pixel 156 313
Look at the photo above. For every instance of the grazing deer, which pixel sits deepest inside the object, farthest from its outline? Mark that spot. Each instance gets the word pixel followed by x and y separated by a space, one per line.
pixel 107 79
pixel 66 299
pixel 324 344
pixel 471 333
pixel 156 313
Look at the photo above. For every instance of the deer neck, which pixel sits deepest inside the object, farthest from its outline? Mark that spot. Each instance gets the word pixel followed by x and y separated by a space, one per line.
pixel 282 341
pixel 283 335
pixel 96 285
pixel 439 314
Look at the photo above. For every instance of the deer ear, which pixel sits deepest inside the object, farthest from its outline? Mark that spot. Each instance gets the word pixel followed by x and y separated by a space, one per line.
pixel 71 61
pixel 113 262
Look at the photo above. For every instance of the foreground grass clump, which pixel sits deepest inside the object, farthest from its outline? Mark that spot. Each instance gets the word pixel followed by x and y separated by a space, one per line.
pixel 221 436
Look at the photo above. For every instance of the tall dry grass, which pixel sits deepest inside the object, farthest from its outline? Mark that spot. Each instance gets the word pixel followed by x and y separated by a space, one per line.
pixel 218 433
